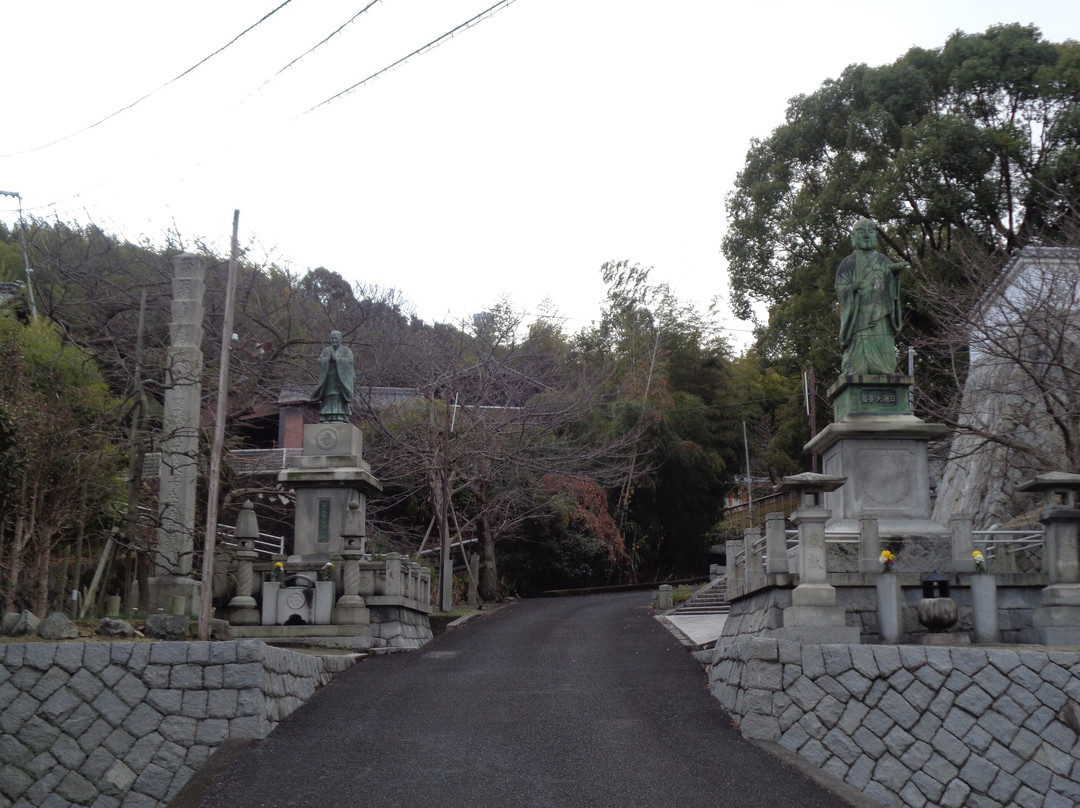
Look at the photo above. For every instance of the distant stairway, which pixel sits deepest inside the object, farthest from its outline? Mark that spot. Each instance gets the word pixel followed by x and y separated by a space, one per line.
pixel 710 599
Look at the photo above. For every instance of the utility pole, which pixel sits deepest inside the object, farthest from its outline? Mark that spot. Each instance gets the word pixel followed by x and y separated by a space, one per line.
pixel 214 484
pixel 446 564
pixel 26 257
pixel 810 393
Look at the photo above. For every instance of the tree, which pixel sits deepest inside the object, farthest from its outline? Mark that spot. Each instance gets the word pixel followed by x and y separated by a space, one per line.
pixel 492 418
pixel 62 469
pixel 1009 371
pixel 672 381
pixel 977 138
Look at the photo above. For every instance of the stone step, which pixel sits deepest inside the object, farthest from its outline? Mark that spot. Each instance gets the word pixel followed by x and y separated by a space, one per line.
pixel 703 608
pixel 710 599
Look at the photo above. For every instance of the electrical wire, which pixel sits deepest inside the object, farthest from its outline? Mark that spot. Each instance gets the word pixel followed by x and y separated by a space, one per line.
pixel 138 101
pixel 317 45
pixel 433 44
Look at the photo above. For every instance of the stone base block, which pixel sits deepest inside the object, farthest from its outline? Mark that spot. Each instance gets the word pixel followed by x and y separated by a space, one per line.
pixel 1056 617
pixel 814 595
pixel 947 639
pixel 351 611
pixel 815 616
pixel 244 613
pixel 1061 635
pixel 1066 595
pixel 818 635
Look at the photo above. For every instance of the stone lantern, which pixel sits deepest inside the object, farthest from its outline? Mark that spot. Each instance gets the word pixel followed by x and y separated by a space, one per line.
pixel 243 610
pixel 814 616
pixel 1058 621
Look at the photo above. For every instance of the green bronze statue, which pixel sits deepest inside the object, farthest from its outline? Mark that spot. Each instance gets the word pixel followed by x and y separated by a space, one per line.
pixel 868 288
pixel 337 375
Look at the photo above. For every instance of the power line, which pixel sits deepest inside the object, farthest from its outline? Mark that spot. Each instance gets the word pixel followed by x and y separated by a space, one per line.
pixel 434 43
pixel 152 92
pixel 319 44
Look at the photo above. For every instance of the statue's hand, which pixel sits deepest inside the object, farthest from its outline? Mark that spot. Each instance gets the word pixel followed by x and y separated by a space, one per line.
pixel 898 266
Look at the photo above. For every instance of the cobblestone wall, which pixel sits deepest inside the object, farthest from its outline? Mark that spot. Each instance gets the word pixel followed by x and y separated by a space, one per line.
pixel 912 725
pixel 127 724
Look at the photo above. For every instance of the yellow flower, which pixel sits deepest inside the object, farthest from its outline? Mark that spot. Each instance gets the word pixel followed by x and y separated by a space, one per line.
pixel 278 565
pixel 887 555
pixel 977 555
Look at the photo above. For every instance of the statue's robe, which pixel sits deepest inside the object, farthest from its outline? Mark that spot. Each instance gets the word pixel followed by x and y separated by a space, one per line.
pixel 334 392
pixel 869 317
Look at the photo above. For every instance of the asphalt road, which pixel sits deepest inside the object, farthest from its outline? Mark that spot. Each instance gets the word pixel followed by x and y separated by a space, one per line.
pixel 567 703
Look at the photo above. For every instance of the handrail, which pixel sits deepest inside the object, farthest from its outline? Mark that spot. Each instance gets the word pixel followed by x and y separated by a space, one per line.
pixel 267 543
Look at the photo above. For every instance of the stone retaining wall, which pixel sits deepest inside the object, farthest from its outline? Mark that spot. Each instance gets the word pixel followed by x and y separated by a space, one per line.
pixel 126 724
pixel 912 725
pixel 400 627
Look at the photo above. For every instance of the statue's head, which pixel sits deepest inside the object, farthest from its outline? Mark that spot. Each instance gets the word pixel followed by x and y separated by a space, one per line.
pixel 864 236
pixel 335 338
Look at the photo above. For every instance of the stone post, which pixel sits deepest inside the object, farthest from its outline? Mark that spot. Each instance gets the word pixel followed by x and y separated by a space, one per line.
pixel 753 556
pixel 869 544
pixel 776 560
pixel 814 616
pixel 984 608
pixel 394 586
pixel 1058 621
pixel 178 470
pixel 425 587
pixel 734 579
pixel 962 545
pixel 664 599
pixel 242 608
pixel 890 608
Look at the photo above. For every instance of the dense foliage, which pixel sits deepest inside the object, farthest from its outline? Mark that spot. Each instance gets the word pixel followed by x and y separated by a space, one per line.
pixel 976 142
pixel 589 458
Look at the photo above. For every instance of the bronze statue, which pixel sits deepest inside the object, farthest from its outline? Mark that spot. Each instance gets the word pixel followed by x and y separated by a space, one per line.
pixel 337 375
pixel 868 287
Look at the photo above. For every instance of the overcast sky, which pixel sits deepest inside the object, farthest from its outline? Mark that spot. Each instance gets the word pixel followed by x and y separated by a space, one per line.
pixel 513 159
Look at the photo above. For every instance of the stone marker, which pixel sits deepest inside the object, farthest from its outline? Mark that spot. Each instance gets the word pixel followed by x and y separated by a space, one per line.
pixel 179 469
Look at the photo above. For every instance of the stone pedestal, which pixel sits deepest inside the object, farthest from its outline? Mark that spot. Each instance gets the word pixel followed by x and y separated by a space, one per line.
pixel 1058 621
pixel 331 474
pixel 350 608
pixel 881 449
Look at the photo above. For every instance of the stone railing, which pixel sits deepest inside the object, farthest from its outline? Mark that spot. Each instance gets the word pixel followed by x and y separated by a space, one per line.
pixel 911 725
pixel 97 723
